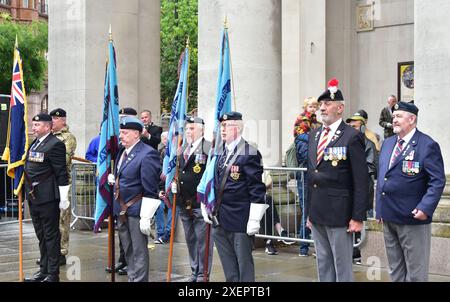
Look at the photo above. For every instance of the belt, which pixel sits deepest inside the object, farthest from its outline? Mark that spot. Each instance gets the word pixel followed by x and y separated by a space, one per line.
pixel 34 184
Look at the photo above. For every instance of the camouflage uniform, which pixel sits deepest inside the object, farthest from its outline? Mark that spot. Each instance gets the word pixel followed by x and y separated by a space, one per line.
pixel 70 141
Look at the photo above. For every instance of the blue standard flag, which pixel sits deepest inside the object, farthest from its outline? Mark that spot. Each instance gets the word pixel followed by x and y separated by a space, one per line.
pixel 205 189
pixel 17 139
pixel 176 126
pixel 109 140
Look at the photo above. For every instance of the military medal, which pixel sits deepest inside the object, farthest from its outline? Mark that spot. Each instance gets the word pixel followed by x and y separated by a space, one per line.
pixel 197 169
pixel 325 154
pixel 339 152
pixel 334 163
pixel 344 151
pixel 235 173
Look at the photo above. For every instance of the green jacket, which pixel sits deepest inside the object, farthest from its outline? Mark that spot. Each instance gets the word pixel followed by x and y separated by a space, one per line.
pixel 70 141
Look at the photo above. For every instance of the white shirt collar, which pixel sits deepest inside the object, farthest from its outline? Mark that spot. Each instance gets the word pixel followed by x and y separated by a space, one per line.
pixel 408 137
pixel 230 147
pixel 333 128
pixel 195 145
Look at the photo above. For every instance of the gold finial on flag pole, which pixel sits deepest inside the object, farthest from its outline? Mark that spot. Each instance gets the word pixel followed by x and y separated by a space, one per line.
pixel 187 42
pixel 225 22
pixel 110 33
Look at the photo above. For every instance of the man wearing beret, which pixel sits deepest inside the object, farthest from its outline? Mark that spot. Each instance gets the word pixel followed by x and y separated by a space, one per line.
pixel 240 200
pixel 410 184
pixel 151 135
pixel 46 189
pixel 127 111
pixel 192 166
pixel 61 131
pixel 135 182
pixel 337 188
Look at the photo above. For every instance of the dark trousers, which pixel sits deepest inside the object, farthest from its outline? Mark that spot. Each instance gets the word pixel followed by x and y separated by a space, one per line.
pixel 45 219
pixel 270 217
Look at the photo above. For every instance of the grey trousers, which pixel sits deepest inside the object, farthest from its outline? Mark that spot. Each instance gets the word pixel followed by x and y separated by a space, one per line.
pixel 235 253
pixel 136 252
pixel 195 232
pixel 334 250
pixel 408 251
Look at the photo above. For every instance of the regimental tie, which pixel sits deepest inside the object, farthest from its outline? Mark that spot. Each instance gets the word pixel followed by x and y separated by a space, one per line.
pixel 398 149
pixel 186 153
pixel 322 144
pixel 122 159
pixel 223 159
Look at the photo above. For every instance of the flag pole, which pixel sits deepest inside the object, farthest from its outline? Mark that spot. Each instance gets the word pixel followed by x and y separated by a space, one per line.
pixel 177 171
pixel 19 194
pixel 111 233
pixel 225 24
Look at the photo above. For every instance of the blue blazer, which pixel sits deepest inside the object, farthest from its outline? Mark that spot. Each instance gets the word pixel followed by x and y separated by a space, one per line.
pixel 138 173
pixel 243 186
pixel 400 191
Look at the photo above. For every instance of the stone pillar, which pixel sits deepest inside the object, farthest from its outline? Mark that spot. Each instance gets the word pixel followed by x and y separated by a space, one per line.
pixel 78 41
pixel 431 63
pixel 303 60
pixel 255 40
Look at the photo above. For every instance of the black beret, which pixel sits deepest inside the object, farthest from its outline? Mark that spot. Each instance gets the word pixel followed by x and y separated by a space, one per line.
pixel 132 123
pixel 128 111
pixel 408 107
pixel 196 120
pixel 42 117
pixel 332 93
pixel 231 116
pixel 58 112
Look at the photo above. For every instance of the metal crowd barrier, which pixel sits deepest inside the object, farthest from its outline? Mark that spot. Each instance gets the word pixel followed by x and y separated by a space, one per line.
pixel 8 201
pixel 286 198
pixel 84 189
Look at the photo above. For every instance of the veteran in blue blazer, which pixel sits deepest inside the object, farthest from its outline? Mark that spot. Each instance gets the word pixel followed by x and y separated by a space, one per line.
pixel 410 184
pixel 240 205
pixel 135 182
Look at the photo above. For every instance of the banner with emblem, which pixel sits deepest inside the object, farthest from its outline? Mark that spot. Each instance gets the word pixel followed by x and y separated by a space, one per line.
pixel 109 140
pixel 205 189
pixel 17 138
pixel 176 126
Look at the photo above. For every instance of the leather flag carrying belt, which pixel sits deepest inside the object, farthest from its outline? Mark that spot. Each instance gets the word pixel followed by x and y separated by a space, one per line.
pixel 124 206
pixel 34 184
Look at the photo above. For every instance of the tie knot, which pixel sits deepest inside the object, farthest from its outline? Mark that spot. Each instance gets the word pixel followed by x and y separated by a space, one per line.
pixel 401 141
pixel 327 129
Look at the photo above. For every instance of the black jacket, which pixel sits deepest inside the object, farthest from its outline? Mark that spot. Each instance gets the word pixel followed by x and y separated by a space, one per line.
pixel 155 138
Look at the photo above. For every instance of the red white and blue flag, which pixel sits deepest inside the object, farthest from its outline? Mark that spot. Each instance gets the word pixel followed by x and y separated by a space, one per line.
pixel 17 139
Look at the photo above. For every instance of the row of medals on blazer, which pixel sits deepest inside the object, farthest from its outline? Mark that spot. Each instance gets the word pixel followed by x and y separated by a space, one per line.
pixel 335 154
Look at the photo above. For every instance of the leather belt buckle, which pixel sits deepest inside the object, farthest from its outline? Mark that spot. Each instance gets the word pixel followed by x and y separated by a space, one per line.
pixel 122 213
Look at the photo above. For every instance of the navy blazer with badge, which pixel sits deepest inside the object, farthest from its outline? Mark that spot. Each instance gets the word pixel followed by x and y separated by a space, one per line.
pixel 191 173
pixel 50 157
pixel 243 186
pixel 415 180
pixel 138 174
pixel 337 194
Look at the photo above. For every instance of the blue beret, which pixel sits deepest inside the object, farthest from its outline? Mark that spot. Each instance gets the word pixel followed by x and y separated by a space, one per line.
pixel 128 111
pixel 195 120
pixel 408 107
pixel 42 117
pixel 58 112
pixel 231 116
pixel 130 122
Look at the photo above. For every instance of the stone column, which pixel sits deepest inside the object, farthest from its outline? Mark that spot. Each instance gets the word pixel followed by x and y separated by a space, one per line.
pixel 78 41
pixel 431 65
pixel 255 40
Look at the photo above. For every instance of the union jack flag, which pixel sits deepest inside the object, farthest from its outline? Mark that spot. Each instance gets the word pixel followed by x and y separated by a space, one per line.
pixel 17 139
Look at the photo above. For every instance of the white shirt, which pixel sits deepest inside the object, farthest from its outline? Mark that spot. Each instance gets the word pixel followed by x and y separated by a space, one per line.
pixel 333 128
pixel 195 145
pixel 406 139
pixel 128 150
pixel 230 147
pixel 39 141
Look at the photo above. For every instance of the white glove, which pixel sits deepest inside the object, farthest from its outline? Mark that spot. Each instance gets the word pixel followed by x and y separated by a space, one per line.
pixel 205 214
pixel 64 197
pixel 173 187
pixel 148 209
pixel 111 179
pixel 257 211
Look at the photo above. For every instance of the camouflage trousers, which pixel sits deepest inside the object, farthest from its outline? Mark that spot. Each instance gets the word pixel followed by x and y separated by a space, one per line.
pixel 64 228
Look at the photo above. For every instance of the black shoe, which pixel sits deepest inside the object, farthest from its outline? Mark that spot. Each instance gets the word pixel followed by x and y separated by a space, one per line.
pixel 38 262
pixel 62 260
pixel 123 271
pixel 271 250
pixel 192 278
pixel 37 277
pixel 51 278
pixel 117 267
